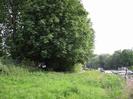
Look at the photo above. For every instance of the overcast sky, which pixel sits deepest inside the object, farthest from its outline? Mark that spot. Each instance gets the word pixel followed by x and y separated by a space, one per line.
pixel 113 24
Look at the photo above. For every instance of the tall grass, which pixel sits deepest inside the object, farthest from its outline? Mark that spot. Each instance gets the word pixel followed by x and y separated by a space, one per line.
pixel 17 82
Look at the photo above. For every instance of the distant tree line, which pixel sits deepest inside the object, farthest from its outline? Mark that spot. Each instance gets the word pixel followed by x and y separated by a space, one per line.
pixel 120 58
pixel 55 32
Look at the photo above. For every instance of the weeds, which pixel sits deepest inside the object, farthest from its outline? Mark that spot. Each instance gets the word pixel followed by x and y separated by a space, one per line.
pixel 19 82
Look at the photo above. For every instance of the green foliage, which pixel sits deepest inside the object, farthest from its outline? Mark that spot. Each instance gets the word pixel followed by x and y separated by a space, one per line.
pixel 120 58
pixel 2 10
pixel 56 32
pixel 8 67
pixel 77 68
pixel 17 82
pixel 1 51
pixel 99 61
pixel 131 68
pixel 10 21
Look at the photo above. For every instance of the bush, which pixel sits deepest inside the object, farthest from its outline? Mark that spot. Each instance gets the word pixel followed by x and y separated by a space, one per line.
pixel 10 69
pixel 77 67
pixel 11 66
pixel 130 68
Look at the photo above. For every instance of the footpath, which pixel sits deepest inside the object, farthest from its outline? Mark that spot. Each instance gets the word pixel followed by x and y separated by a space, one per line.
pixel 129 88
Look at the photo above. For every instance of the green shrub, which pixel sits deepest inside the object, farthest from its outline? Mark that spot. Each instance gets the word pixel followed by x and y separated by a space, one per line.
pixel 9 66
pixel 131 68
pixel 77 67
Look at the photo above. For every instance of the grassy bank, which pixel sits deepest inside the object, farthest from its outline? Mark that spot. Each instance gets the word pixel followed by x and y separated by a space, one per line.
pixel 20 83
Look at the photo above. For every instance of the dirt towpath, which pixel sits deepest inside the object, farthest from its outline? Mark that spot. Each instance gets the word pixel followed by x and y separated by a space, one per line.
pixel 129 88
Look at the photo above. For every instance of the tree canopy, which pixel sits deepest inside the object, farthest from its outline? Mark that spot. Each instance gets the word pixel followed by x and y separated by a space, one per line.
pixel 57 32
pixel 120 58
